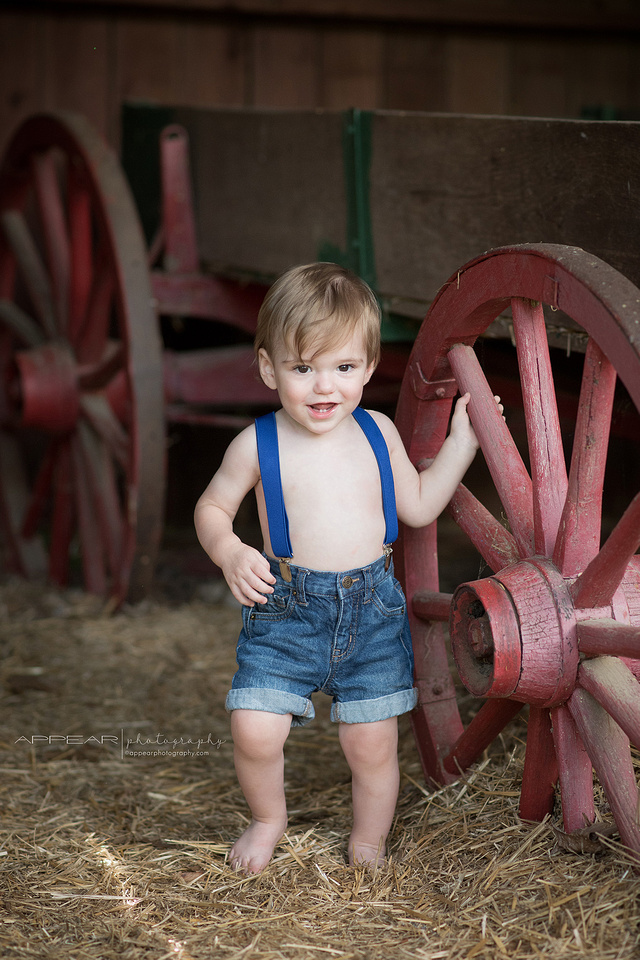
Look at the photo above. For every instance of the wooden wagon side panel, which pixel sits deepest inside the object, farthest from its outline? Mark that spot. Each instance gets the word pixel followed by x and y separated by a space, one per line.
pixel 269 187
pixel 444 188
pixel 272 189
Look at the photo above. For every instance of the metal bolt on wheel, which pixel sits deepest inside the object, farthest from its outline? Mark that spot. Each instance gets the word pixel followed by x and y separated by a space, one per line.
pixel 557 624
pixel 81 407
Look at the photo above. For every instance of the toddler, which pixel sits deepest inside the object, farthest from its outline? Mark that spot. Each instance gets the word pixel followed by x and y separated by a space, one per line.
pixel 321 608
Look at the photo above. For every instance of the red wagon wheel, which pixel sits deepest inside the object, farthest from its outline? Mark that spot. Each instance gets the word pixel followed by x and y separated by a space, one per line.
pixel 557 624
pixel 81 415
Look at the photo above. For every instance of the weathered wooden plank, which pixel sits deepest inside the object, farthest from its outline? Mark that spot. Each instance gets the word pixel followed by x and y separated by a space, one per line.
pixel 148 58
pixel 286 70
pixel 572 14
pixel 444 188
pixel 473 57
pixel 75 66
pixel 214 65
pixel 540 78
pixel 20 68
pixel 269 187
pixel 351 69
pixel 415 71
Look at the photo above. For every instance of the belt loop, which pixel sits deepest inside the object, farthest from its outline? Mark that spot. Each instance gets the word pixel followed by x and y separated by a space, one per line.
pixel 369 582
pixel 299 585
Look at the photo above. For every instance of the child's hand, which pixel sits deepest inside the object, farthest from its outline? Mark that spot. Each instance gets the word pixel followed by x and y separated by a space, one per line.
pixel 461 429
pixel 248 574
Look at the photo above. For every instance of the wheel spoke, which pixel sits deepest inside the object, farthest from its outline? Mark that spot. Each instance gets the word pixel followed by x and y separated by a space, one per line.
pixel 32 268
pixel 40 493
pixel 92 337
pixel 63 518
pixel 98 467
pixel 7 268
pixel 99 414
pixel 608 637
pixel 503 459
pixel 429 605
pixel 493 542
pixel 579 535
pixel 21 324
pixel 597 585
pixel 81 250
pixel 490 720
pixel 574 770
pixel 28 555
pixel 548 469
pixel 436 722
pixel 96 376
pixel 54 229
pixel 95 579
pixel 608 747
pixel 615 688
pixel 540 773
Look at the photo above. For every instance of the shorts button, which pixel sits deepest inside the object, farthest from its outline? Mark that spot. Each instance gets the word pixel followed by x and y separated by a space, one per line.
pixel 347 582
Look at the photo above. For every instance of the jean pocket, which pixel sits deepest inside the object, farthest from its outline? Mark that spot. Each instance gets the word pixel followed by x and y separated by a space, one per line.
pixel 277 607
pixel 389 598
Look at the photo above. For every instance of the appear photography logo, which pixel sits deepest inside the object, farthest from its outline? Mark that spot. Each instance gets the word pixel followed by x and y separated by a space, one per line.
pixel 124 746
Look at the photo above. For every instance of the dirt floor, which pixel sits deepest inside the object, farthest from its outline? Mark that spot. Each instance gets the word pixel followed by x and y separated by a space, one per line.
pixel 118 803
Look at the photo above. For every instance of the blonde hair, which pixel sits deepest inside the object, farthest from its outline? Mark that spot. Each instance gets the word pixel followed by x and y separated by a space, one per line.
pixel 318 305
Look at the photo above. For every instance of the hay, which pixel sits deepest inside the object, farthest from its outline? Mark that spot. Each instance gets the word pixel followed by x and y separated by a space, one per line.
pixel 105 854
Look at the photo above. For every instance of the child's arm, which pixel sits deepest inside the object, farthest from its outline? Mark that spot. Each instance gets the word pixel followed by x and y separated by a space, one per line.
pixel 245 569
pixel 421 497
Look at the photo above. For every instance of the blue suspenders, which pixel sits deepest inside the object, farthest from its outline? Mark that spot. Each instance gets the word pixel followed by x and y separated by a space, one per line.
pixel 269 458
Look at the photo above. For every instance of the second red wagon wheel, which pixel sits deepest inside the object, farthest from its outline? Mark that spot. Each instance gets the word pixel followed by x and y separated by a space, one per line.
pixel 557 623
pixel 81 407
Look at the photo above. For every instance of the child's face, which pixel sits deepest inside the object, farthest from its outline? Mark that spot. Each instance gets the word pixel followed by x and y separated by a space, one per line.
pixel 323 390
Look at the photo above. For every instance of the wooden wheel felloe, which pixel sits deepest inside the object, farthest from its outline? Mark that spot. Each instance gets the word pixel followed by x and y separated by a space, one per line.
pixel 81 407
pixel 557 624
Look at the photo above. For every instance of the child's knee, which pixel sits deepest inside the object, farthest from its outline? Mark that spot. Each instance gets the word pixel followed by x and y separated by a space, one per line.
pixel 259 734
pixel 370 744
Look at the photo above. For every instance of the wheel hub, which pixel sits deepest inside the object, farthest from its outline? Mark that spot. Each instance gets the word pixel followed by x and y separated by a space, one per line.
pixel 514 634
pixel 43 391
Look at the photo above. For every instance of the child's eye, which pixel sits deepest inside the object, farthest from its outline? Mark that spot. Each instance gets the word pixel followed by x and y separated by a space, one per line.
pixel 345 367
pixel 302 368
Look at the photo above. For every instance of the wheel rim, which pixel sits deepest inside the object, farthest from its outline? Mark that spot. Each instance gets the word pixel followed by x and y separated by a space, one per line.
pixel 557 624
pixel 81 418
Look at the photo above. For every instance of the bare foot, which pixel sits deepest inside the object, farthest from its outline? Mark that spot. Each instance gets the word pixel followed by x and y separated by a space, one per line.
pixel 253 850
pixel 366 854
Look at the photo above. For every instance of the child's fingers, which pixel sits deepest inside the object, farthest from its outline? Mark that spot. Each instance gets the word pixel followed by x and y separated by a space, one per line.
pixel 250 578
pixel 500 406
pixel 252 593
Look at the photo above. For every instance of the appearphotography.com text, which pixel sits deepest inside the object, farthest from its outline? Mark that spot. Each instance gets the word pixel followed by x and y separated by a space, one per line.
pixel 141 746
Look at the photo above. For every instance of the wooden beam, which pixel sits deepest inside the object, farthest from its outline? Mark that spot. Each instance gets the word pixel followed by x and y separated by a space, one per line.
pixel 567 15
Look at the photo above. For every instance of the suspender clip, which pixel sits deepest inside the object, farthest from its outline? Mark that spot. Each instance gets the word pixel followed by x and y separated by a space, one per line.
pixel 387 550
pixel 285 569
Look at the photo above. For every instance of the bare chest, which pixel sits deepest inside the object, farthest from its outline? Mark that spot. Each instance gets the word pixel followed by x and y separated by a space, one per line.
pixel 332 495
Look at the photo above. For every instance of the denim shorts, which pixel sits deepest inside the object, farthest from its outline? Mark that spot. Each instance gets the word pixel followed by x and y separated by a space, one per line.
pixel 345 634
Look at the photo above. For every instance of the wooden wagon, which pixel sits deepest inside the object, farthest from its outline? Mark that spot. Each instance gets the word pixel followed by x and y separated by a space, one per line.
pixel 409 201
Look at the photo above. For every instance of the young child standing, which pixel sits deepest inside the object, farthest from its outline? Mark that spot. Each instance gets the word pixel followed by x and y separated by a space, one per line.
pixel 321 608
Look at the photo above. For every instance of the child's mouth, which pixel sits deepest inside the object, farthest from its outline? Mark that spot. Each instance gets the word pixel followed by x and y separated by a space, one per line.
pixel 322 409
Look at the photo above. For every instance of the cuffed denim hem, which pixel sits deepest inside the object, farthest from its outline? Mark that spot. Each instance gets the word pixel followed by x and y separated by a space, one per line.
pixel 381 708
pixel 271 701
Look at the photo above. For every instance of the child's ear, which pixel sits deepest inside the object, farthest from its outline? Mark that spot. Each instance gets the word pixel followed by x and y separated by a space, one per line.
pixel 369 371
pixel 265 366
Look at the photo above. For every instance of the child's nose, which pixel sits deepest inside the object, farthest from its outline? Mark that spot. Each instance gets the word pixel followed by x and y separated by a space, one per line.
pixel 324 382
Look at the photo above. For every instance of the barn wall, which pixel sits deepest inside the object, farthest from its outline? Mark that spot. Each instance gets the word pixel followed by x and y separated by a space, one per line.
pixel 553 60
